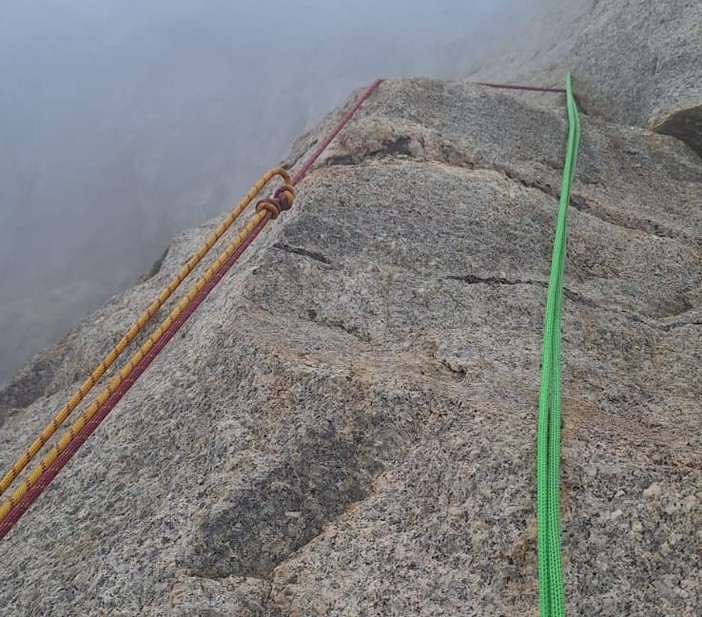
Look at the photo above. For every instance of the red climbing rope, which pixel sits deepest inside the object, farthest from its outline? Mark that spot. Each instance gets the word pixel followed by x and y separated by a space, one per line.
pixel 516 87
pixel 333 133
pixel 282 200
pixel 65 456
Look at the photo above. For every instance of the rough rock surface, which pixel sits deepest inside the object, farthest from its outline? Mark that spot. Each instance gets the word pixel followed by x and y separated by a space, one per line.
pixel 347 425
pixel 635 62
pixel 662 88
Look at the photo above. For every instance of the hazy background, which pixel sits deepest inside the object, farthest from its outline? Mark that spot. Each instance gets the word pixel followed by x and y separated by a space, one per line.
pixel 123 122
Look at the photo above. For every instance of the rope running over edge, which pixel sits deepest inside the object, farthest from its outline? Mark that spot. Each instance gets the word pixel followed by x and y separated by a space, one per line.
pixel 49 467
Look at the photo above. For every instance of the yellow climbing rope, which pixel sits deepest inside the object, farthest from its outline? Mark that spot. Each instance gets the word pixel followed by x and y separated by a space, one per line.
pixel 266 208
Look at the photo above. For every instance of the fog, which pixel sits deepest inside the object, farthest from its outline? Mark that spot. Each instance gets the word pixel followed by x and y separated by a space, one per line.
pixel 123 122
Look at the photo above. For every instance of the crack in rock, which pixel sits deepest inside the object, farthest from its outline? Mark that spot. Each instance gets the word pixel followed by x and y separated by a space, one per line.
pixel 304 252
pixel 472 279
pixel 574 296
pixel 448 154
pixel 647 227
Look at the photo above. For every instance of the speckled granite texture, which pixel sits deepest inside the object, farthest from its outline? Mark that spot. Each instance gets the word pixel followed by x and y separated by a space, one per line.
pixel 347 425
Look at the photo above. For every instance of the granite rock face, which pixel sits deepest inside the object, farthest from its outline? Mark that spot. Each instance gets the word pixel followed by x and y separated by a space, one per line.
pixel 658 80
pixel 347 425
pixel 634 62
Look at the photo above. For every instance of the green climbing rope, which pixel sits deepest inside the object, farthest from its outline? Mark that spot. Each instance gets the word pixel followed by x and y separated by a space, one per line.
pixel 551 598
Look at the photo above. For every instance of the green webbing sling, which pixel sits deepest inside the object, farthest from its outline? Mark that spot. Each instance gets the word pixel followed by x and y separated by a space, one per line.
pixel 551 600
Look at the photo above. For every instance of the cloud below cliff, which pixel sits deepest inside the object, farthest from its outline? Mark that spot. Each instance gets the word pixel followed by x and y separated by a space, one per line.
pixel 123 122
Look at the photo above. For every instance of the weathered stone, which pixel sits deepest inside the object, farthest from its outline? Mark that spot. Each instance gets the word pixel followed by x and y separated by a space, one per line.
pixel 635 62
pixel 662 88
pixel 347 425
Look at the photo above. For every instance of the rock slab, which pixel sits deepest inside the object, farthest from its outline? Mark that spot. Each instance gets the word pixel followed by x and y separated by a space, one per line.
pixel 347 425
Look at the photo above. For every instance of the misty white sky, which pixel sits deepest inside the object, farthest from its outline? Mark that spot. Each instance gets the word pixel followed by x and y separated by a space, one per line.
pixel 123 122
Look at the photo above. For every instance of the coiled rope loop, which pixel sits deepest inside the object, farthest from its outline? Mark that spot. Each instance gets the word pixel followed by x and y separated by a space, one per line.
pixel 282 200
